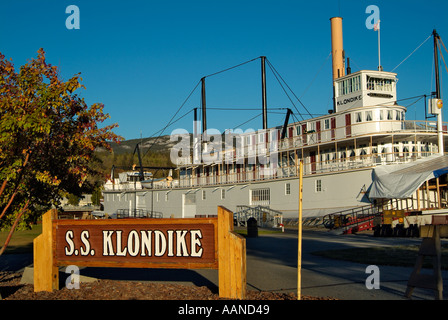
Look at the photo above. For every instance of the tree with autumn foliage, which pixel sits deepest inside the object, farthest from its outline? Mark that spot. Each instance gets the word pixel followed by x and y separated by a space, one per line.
pixel 48 137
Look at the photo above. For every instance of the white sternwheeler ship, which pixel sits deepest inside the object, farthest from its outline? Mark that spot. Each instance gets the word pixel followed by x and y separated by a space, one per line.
pixel 362 153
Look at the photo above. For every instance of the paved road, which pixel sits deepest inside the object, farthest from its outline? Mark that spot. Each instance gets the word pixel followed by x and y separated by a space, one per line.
pixel 272 266
pixel 272 263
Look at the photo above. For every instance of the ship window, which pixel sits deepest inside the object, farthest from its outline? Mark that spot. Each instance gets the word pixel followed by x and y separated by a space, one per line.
pixel 312 127
pixel 287 188
pixel 351 153
pixel 363 151
pixel 260 196
pixel 298 130
pixel 405 151
pixel 327 124
pixel 204 194
pixel 389 115
pixel 368 115
pixel 318 185
pixel 357 83
pixel 190 199
pixel 379 84
pixel 358 116
pixel 223 194
pixel 349 85
pixel 397 115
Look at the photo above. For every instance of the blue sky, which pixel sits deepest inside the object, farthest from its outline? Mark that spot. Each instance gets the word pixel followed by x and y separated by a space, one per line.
pixel 143 58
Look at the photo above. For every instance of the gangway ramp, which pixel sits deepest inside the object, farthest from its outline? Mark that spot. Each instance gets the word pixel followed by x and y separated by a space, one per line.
pixel 352 220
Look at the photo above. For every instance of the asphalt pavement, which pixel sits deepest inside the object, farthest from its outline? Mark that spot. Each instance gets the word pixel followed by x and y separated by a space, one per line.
pixel 272 266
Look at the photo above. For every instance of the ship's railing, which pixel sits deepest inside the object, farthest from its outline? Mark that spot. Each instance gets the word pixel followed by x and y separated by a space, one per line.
pixel 217 175
pixel 359 129
pixel 313 137
pixel 282 171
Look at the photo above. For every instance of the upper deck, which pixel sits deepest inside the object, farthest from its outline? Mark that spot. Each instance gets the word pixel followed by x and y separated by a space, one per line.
pixel 368 128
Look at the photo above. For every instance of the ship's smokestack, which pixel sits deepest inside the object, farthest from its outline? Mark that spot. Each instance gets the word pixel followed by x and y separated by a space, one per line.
pixel 337 47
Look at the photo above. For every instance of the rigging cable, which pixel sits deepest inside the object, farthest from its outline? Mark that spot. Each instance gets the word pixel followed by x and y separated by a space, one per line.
pixel 315 76
pixel 171 120
pixel 247 121
pixel 161 131
pixel 230 68
pixel 440 50
pixel 185 101
pixel 279 76
pixel 412 53
pixel 275 75
pixel 243 109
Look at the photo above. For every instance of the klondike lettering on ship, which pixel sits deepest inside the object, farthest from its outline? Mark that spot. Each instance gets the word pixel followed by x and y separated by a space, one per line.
pixel 349 100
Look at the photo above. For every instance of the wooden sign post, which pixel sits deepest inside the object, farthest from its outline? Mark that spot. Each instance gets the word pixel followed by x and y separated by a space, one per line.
pixel 430 247
pixel 299 244
pixel 198 243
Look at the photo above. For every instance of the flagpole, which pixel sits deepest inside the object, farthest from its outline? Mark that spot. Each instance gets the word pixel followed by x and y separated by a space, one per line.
pixel 380 68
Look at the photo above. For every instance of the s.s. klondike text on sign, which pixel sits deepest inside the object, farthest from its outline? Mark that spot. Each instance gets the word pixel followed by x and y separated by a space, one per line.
pixel 165 242
pixel 197 243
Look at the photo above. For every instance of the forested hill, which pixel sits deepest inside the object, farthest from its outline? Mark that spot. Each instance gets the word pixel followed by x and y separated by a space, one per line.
pixel 157 144
pixel 155 152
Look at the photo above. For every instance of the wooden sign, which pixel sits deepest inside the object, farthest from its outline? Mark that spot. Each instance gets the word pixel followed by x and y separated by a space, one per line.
pixel 199 243
pixel 137 243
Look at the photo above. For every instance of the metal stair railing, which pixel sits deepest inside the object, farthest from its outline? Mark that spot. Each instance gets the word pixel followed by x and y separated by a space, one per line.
pixel 265 216
pixel 137 213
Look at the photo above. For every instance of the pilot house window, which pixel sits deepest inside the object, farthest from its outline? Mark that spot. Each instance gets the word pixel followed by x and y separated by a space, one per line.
pixel 349 85
pixel 379 84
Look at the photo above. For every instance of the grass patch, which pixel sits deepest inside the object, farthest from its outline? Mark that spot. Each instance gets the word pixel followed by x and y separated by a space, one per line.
pixel 402 256
pixel 243 231
pixel 21 241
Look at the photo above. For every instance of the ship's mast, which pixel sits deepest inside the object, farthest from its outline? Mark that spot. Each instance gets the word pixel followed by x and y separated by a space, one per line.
pixel 438 94
pixel 204 106
pixel 436 62
pixel 263 92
